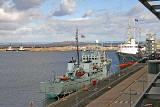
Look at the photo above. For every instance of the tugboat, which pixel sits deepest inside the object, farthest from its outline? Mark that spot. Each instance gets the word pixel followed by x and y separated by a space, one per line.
pixel 10 49
pixel 92 66
pixel 129 52
pixel 21 49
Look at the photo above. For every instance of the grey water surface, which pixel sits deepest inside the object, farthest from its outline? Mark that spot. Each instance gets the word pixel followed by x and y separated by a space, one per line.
pixel 21 72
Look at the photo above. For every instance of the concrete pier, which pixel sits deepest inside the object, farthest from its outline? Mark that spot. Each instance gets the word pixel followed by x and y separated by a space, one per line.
pixel 126 92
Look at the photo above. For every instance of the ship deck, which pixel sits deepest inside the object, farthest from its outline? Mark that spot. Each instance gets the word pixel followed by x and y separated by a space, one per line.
pixel 102 95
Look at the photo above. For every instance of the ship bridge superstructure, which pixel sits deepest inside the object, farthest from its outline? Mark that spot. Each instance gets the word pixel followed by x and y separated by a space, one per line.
pixel 94 56
pixel 130 47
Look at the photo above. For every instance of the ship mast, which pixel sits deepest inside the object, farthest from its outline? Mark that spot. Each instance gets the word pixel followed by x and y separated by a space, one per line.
pixel 135 29
pixel 139 34
pixel 77 45
pixel 129 28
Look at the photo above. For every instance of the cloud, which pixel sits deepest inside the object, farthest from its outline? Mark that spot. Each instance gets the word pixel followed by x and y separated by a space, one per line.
pixel 26 4
pixel 2 1
pixel 136 10
pixel 78 19
pixel 8 16
pixel 11 19
pixel 30 25
pixel 88 13
pixel 66 8
pixel 109 26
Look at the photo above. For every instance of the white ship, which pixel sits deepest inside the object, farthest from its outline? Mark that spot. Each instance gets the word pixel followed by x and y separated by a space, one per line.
pixel 129 52
pixel 129 47
pixel 21 49
pixel 10 49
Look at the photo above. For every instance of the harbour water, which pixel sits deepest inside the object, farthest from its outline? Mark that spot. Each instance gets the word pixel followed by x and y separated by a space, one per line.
pixel 21 73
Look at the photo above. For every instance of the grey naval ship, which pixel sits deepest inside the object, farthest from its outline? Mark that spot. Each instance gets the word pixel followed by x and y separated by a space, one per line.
pixel 91 67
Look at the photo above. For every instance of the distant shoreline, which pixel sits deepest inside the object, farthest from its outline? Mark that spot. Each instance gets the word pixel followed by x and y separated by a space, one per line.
pixel 50 49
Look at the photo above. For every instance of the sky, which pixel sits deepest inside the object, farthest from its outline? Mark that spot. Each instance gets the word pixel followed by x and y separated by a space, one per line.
pixel 57 20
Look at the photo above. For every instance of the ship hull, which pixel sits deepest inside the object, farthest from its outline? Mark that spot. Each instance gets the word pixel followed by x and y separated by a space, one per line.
pixel 65 88
pixel 49 95
pixel 53 90
pixel 22 50
pixel 126 60
pixel 10 50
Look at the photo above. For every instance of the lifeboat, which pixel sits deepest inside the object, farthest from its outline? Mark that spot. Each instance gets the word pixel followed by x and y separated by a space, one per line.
pixel 95 66
pixel 102 60
pixel 64 78
pixel 80 73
